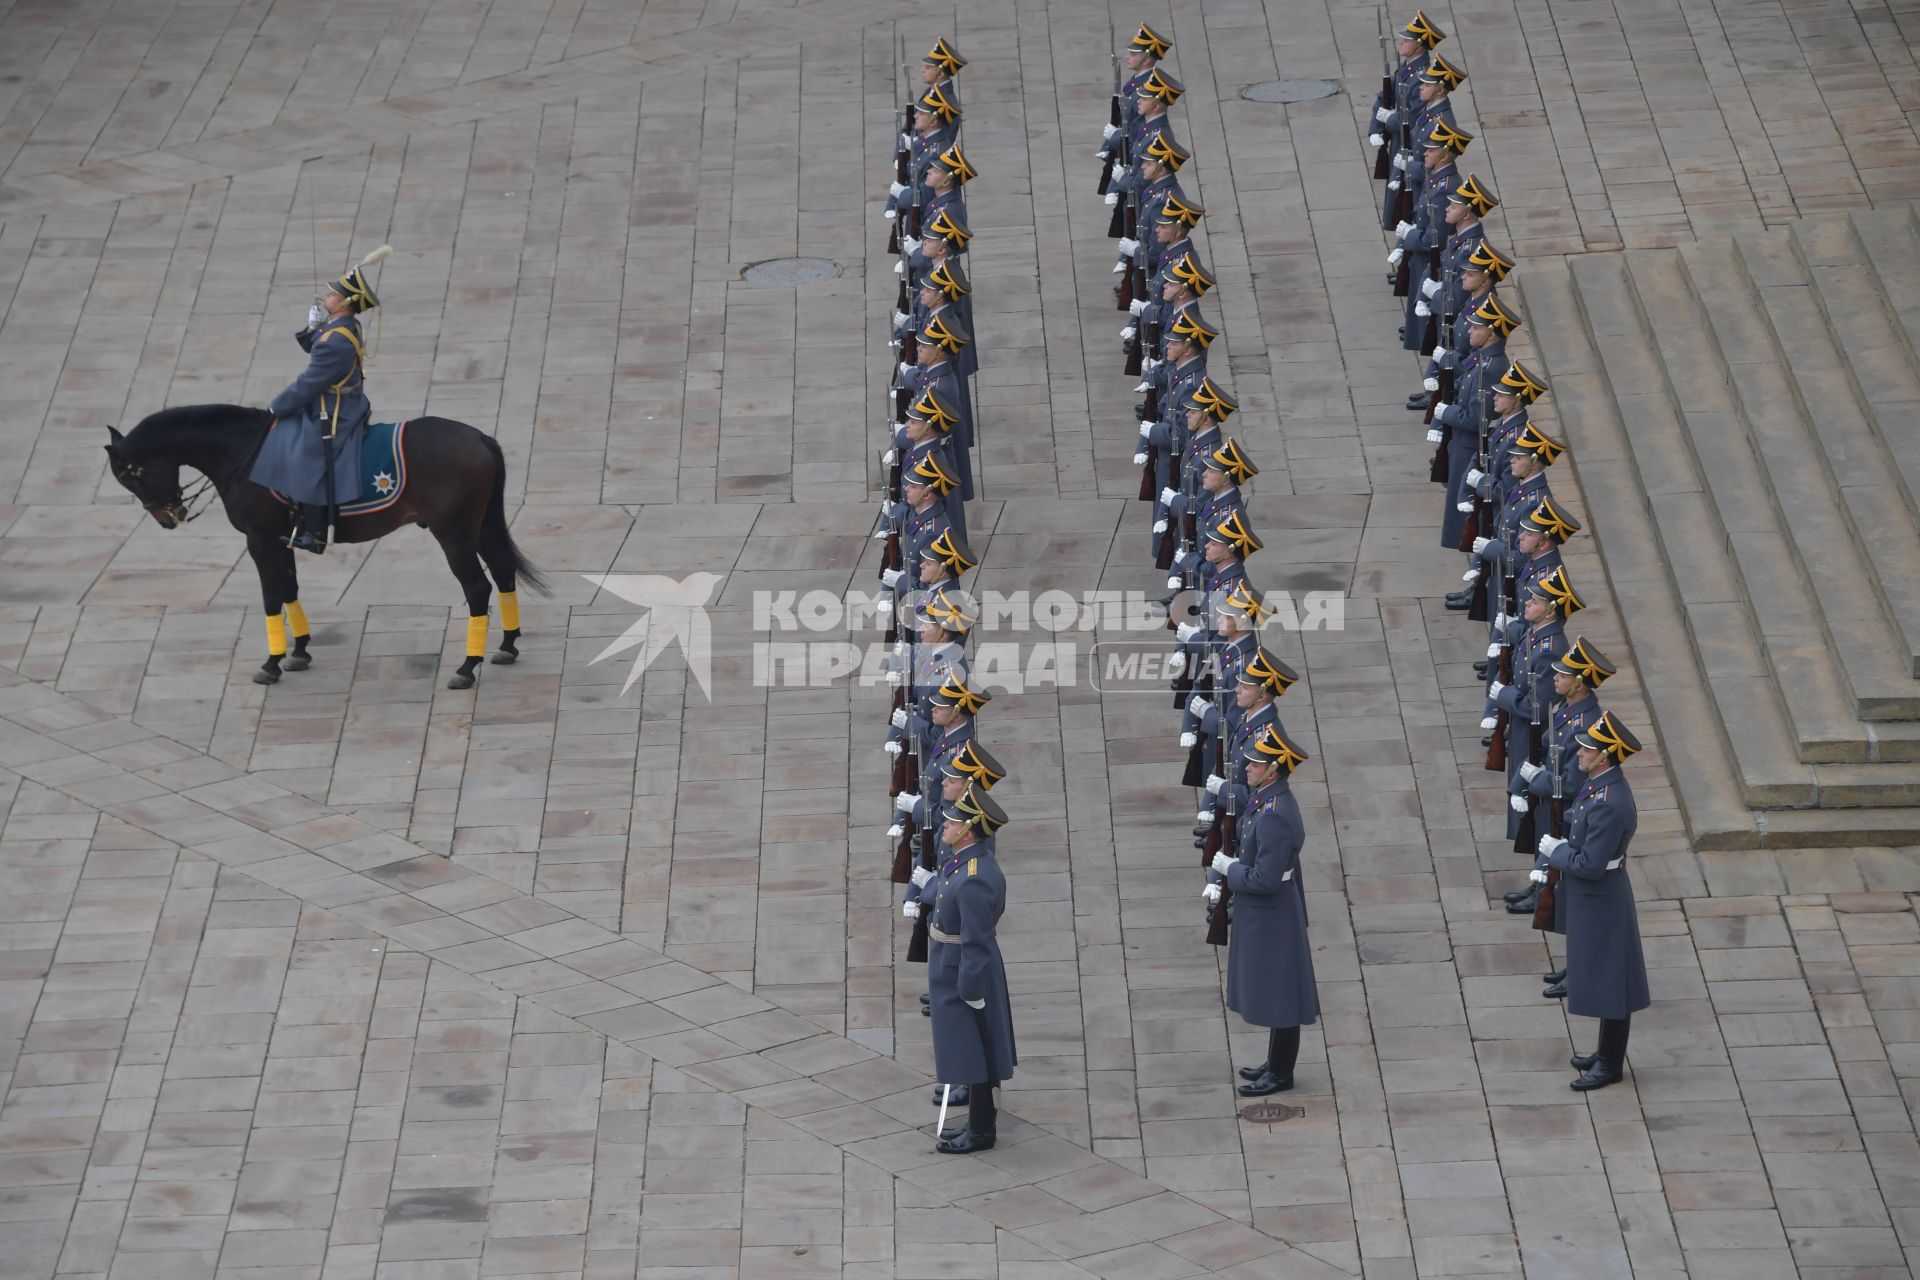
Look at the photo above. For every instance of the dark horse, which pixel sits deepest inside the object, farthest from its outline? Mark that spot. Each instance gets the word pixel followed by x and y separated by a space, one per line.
pixel 456 486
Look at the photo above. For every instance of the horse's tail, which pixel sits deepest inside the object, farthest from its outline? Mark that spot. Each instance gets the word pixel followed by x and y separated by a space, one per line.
pixel 496 543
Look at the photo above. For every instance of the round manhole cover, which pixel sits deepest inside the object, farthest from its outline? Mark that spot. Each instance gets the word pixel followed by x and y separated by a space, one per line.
pixel 791 271
pixel 1289 90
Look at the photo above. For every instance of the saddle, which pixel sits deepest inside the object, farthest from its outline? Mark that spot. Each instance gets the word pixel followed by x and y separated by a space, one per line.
pixel 383 470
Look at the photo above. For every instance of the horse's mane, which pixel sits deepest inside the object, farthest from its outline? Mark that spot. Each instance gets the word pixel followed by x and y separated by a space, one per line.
pixel 232 422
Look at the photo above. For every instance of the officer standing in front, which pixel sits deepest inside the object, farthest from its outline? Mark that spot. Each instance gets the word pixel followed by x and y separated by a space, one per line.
pixel 1606 972
pixel 966 978
pixel 1269 959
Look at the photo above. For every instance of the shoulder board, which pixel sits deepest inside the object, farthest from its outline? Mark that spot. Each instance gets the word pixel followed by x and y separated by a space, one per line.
pixel 352 338
pixel 1601 792
pixel 973 866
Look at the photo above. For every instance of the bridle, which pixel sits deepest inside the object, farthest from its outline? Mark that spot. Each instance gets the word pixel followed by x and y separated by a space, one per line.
pixel 180 508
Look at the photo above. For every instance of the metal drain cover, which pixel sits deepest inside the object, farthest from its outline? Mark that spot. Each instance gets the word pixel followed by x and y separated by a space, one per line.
pixel 791 271
pixel 1270 1112
pixel 1289 90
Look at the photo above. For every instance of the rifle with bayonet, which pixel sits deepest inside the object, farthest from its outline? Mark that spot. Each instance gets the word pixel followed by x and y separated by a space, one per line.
pixel 1525 840
pixel 1485 519
pixel 909 831
pixel 1115 121
pixel 1543 906
pixel 1229 824
pixel 1383 155
pixel 903 153
pixel 1497 749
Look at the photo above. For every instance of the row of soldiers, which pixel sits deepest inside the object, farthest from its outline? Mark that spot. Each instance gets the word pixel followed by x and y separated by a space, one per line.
pixel 945 821
pixel 1570 810
pixel 1240 758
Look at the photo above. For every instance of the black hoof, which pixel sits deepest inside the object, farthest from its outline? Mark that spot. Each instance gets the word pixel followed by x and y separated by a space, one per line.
pixel 267 675
pixel 464 677
pixel 509 650
pixel 298 661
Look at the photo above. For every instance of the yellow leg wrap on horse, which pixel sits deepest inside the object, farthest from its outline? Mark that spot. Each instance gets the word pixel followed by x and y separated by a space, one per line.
pixel 276 636
pixel 296 619
pixel 477 637
pixel 510 610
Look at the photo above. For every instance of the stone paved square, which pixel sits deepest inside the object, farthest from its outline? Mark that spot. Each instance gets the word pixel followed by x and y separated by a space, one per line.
pixel 595 970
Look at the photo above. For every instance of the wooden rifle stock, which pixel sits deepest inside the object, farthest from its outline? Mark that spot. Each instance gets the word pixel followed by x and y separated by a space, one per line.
pixel 1148 472
pixel 1226 827
pixel 917 941
pixel 1497 750
pixel 1543 908
pixel 1134 346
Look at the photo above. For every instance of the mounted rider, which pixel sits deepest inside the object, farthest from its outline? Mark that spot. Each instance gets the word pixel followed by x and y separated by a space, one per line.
pixel 312 453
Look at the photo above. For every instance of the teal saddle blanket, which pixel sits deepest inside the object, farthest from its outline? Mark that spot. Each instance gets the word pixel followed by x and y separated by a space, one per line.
pixel 383 469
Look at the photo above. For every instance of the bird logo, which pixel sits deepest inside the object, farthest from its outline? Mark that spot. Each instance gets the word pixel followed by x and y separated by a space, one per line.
pixel 672 609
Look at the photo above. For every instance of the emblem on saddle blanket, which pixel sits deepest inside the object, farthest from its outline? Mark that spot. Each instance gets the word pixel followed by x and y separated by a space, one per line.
pixel 383 469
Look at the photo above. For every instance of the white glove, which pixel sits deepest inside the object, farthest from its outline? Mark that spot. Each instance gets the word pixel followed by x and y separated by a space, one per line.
pixel 1127 248
pixel 886 506
pixel 1391 186
pixel 891 747
pixel 1221 863
pixel 896 189
pixel 316 316
pixel 1148 365
pixel 1159 526
pixel 1189 740
pixel 885 606
pixel 895 831
pixel 890 215
pixel 920 876
pixel 1139 459
pixel 894 677
pixel 1430 383
pixel 1186 631
pixel 1113 197
pixel 1126 334
pixel 1383 115
pixel 1400 229
pixel 890 457
pixel 1198 706
pixel 1422 309
pixel 1204 816
pixel 911 910
pixel 899 318
pixel 899 268
pixel 1439 352
pixel 1489 723
pixel 909 244
pixel 1429 287
pixel 899 718
pixel 1528 770
pixel 905 370
pixel 1175 581
pixel 1108 130
pixel 1480 544
pixel 1136 307
pixel 1493 650
pixel 1214 783
pixel 890 576
pixel 1548 844
pixel 1167 496
pixel 1500 621
pixel 1467 506
pixel 905 801
pixel 1440 407
pixel 975 1004
pixel 1475 475
pixel 1493 690
pixel 1177 663
pixel 906 142
pixel 1517 803
pixel 1376 140
pixel 1434 436
pixel 1393 259
pixel 1537 877
pixel 1211 893
pixel 1146 429
pixel 1400 163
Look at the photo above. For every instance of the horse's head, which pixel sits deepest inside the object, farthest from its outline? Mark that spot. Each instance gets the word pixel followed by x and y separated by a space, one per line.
pixel 155 482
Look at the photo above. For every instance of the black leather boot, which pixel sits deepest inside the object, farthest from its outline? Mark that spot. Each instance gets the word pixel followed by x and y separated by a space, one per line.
pixel 310 531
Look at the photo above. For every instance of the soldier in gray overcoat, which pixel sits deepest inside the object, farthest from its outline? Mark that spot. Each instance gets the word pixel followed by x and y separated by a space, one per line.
pixel 323 412
pixel 966 978
pixel 1269 960
pixel 1606 971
